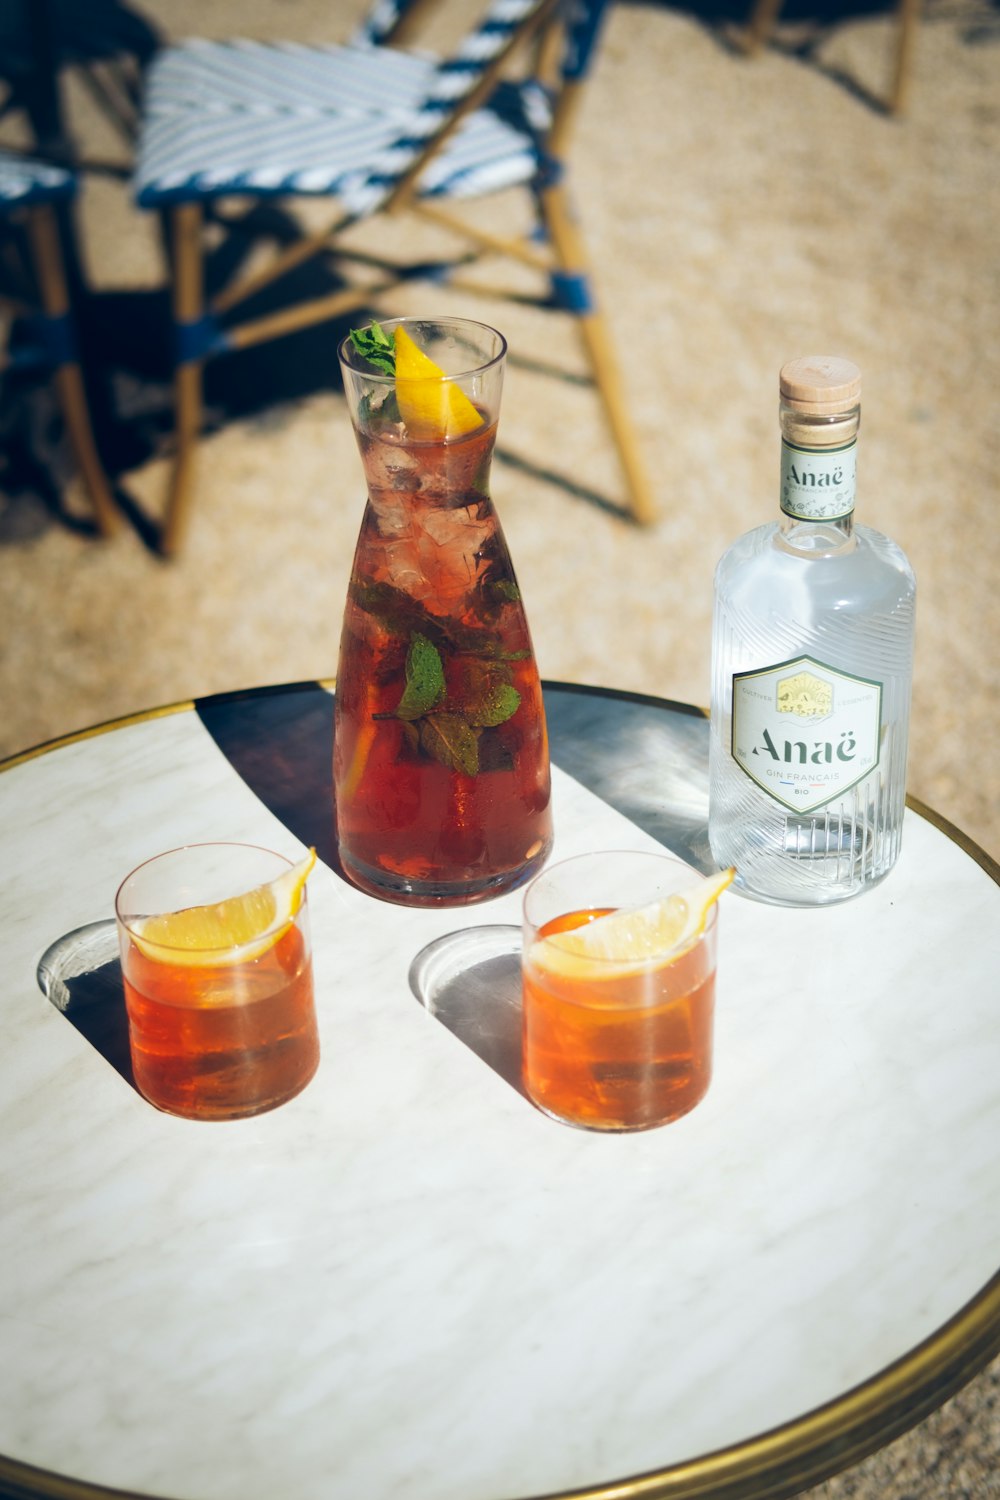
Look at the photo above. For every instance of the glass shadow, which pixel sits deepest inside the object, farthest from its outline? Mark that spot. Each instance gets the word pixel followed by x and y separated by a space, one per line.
pixel 80 973
pixel 470 981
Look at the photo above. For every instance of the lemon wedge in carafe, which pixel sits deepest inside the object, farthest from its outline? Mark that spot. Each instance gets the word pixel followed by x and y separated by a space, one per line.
pixel 430 404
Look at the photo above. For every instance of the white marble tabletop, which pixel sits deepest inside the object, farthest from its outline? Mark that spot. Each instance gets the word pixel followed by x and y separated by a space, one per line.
pixel 408 1284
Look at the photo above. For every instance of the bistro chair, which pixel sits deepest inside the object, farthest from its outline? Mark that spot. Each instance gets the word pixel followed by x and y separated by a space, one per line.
pixel 30 192
pixel 382 131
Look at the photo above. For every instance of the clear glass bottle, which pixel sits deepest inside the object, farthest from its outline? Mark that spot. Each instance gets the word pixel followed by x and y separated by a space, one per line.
pixel 812 656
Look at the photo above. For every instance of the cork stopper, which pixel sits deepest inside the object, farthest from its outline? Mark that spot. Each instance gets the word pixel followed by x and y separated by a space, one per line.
pixel 820 384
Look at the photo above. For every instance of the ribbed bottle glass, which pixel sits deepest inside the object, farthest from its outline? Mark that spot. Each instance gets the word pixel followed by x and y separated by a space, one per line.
pixel 812 657
pixel 441 767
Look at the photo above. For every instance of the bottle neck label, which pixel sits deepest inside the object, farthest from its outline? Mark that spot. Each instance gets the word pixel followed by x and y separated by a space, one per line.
pixel 817 484
pixel 805 732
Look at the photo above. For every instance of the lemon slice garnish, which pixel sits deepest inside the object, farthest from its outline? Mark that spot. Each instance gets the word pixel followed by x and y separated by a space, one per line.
pixel 632 939
pixel 430 404
pixel 207 935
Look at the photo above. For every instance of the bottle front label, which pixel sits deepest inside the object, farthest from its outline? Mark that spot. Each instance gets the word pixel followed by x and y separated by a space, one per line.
pixel 805 732
pixel 818 485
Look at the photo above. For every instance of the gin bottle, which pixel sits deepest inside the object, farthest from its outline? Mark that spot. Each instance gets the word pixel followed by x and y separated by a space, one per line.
pixel 812 654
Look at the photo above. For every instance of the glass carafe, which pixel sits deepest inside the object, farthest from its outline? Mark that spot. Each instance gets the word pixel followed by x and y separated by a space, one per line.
pixel 441 768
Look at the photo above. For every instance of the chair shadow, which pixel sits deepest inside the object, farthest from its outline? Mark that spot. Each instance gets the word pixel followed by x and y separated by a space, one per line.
pixel 124 343
pixel 124 339
pixel 800 32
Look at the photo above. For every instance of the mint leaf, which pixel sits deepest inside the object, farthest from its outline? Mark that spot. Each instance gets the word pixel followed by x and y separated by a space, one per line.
pixel 483 693
pixel 496 705
pixel 448 738
pixel 424 678
pixel 505 590
pixel 374 346
pixel 494 754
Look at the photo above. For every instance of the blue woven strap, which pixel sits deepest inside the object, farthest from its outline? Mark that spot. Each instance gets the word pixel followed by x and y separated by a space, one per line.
pixel 583 23
pixel 379 22
pixel 44 342
pixel 197 339
pixel 551 171
pixel 571 292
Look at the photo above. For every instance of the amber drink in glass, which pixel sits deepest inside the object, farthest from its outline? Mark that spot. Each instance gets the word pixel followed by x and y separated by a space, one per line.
pixel 618 1042
pixel 215 1032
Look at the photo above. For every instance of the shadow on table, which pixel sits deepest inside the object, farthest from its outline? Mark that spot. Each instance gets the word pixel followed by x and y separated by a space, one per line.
pixel 280 741
pixel 470 981
pixel 643 756
pixel 81 974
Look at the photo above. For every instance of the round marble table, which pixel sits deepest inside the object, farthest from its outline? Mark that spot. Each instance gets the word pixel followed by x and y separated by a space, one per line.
pixel 408 1284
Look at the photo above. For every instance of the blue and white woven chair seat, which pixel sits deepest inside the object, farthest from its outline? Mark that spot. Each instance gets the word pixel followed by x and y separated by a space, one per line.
pixel 226 118
pixel 278 76
pixel 24 181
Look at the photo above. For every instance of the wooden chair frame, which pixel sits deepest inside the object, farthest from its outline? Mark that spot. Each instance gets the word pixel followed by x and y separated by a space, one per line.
pixel 563 257
pixel 42 228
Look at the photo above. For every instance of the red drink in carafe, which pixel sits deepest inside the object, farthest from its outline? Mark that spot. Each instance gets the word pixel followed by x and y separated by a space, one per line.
pixel 441 765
